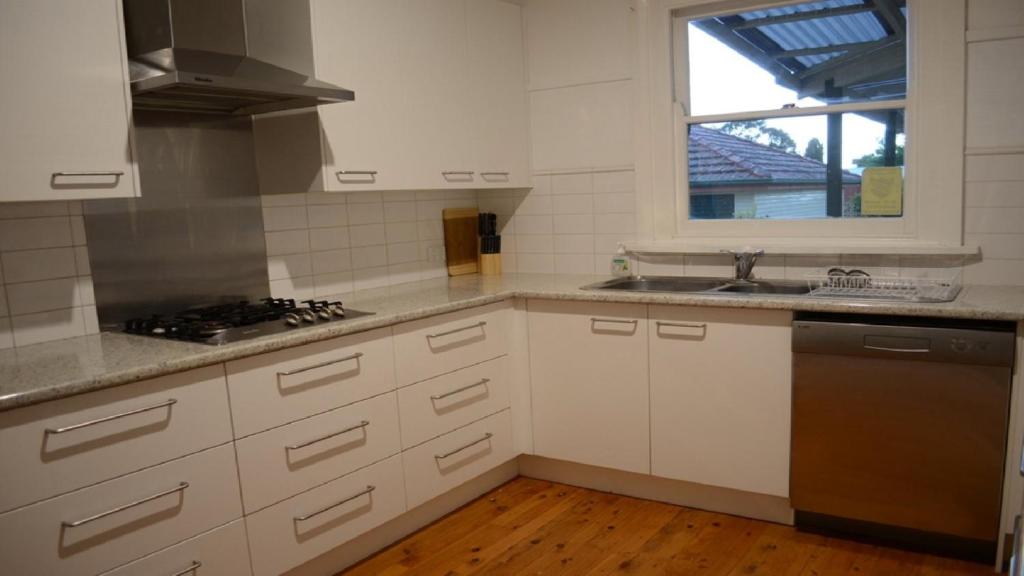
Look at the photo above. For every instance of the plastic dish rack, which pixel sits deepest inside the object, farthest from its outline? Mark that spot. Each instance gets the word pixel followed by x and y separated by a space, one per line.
pixel 885 288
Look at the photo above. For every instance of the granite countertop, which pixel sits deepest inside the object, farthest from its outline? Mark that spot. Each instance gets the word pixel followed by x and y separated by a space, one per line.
pixel 42 372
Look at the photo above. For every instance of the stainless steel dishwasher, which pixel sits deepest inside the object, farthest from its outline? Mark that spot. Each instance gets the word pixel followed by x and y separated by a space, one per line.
pixel 900 428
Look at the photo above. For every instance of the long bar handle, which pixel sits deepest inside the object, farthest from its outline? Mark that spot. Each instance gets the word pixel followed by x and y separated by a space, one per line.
pixel 614 321
pixel 114 173
pixel 480 324
pixel 457 173
pixel 355 356
pixel 195 565
pixel 461 389
pixel 164 404
pixel 356 173
pixel 180 488
pixel 483 438
pixel 362 424
pixel 906 350
pixel 499 173
pixel 701 325
pixel 369 488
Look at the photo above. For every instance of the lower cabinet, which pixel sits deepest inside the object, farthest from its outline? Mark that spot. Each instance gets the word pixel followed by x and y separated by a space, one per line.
pixel 106 525
pixel 433 468
pixel 292 532
pixel 220 552
pixel 588 367
pixel 720 396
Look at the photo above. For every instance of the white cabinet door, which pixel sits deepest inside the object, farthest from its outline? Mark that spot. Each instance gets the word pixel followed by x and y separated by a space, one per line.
pixel 497 94
pixel 588 364
pixel 720 397
pixel 65 119
pixel 361 45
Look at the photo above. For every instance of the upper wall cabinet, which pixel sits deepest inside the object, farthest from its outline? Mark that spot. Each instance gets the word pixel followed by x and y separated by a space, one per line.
pixel 440 101
pixel 66 114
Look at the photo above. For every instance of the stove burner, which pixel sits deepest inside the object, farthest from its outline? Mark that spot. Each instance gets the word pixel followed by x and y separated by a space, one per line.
pixel 240 320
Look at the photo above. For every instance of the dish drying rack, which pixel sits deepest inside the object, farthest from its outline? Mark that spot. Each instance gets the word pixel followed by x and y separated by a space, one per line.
pixel 891 288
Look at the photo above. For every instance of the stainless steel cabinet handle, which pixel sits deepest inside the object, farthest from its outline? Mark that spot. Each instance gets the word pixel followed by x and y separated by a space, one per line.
pixel 700 325
pixel 484 438
pixel 462 389
pixel 907 350
pixel 614 321
pixel 362 424
pixel 114 173
pixel 181 487
pixel 458 173
pixel 457 330
pixel 1022 461
pixel 195 565
pixel 355 356
pixel 336 504
pixel 166 403
pixel 495 173
pixel 1016 566
pixel 356 173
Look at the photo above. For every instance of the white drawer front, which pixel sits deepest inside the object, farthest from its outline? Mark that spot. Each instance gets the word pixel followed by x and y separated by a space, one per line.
pixel 439 405
pixel 292 532
pixel 273 389
pixel 279 463
pixel 434 468
pixel 220 552
pixel 175 501
pixel 60 446
pixel 433 346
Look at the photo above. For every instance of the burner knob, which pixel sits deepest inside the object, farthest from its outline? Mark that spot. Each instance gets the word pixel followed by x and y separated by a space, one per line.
pixel 160 331
pixel 291 319
pixel 337 310
pixel 324 314
pixel 308 316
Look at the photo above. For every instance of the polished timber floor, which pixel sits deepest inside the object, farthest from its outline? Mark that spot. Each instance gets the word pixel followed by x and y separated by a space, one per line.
pixel 532 526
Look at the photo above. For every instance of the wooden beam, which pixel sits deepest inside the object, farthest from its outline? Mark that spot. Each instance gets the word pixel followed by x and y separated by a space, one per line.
pixel 851 46
pixel 725 35
pixel 834 167
pixel 798 16
pixel 893 16
pixel 854 69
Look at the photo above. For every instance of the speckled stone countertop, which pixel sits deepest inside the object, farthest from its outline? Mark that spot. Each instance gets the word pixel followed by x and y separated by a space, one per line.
pixel 42 372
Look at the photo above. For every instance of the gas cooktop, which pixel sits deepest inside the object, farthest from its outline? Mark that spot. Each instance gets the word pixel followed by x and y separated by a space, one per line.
pixel 241 320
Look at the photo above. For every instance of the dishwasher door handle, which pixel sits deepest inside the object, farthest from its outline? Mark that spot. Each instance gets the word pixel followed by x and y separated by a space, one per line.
pixel 902 350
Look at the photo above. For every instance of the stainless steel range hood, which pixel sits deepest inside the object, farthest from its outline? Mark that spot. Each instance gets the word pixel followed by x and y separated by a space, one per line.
pixel 192 56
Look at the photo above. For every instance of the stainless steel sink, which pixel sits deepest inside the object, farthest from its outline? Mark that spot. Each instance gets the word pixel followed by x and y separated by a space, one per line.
pixel 685 284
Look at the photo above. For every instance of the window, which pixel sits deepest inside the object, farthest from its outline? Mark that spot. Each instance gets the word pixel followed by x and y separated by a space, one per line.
pixel 793 112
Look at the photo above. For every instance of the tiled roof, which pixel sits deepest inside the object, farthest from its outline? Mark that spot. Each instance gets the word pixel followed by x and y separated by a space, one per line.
pixel 717 159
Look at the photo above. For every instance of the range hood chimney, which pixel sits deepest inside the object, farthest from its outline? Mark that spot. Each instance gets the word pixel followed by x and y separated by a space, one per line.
pixel 192 56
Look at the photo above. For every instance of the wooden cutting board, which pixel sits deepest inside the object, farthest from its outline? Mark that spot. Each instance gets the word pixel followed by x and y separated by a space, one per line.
pixel 460 240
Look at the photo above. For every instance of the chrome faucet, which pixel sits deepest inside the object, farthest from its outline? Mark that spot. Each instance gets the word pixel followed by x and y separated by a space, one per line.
pixel 745 260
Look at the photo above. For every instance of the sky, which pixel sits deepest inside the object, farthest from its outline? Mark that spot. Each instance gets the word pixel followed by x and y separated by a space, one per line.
pixel 723 81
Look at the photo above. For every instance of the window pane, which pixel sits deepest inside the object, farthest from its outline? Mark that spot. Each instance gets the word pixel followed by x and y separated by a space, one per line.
pixel 806 54
pixel 778 168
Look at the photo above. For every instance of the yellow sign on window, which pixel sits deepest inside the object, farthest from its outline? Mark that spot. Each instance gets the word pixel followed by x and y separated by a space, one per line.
pixel 881 191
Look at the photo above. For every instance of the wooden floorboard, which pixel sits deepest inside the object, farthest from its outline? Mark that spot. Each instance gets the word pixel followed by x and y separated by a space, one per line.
pixel 532 526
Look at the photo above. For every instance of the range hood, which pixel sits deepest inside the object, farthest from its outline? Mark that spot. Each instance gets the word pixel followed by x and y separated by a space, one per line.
pixel 192 56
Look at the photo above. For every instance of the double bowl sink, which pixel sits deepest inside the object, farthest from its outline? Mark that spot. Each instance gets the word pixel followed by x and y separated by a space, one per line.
pixel 697 285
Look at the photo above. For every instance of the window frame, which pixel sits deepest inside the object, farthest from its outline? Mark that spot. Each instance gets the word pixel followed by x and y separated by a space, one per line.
pixel 934 128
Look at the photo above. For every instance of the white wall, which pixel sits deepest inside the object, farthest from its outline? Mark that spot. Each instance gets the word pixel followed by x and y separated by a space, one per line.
pixel 580 67
pixel 45 283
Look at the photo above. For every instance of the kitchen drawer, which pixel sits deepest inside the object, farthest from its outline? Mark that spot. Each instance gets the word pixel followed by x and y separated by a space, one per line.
pixel 56 447
pixel 282 462
pixel 437 466
pixel 292 532
pixel 219 552
pixel 439 405
pixel 433 346
pixel 122 519
pixel 284 386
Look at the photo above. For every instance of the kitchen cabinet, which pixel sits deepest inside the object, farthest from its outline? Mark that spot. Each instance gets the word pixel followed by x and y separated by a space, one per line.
pixel 720 397
pixel 65 122
pixel 589 380
pixel 440 101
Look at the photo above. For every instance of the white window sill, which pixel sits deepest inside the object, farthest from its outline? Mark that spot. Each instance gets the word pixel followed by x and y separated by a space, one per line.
pixel 777 246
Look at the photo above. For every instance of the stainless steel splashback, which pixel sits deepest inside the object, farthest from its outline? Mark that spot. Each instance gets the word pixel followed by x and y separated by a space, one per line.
pixel 196 234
